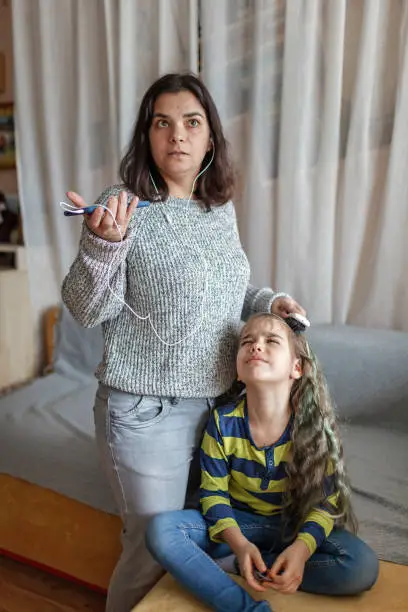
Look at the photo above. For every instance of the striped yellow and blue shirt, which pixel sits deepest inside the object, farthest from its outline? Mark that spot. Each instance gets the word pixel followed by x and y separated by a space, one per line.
pixel 235 473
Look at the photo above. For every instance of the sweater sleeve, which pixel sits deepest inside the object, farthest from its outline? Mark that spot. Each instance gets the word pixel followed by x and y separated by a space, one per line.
pixel 99 263
pixel 215 476
pixel 259 300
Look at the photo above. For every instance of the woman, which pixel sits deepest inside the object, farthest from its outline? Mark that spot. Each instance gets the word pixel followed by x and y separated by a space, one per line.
pixel 170 296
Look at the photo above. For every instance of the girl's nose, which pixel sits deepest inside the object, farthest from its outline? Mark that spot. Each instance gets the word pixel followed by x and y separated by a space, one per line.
pixel 256 347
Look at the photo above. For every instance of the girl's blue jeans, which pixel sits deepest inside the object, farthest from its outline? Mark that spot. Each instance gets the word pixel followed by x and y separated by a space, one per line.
pixel 343 565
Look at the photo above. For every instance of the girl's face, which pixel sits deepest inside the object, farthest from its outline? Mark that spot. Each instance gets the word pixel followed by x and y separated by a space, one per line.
pixel 179 135
pixel 266 353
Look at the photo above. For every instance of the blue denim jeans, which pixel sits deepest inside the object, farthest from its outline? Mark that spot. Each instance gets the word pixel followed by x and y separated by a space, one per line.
pixel 343 565
pixel 147 446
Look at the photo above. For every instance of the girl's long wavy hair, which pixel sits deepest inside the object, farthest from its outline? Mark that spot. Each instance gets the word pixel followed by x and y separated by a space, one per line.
pixel 316 443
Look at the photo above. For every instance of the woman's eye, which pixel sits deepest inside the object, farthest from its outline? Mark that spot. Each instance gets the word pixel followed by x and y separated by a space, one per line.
pixel 194 122
pixel 162 123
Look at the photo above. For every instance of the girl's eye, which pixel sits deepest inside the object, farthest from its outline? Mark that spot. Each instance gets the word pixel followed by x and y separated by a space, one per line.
pixel 245 342
pixel 162 123
pixel 194 123
pixel 273 341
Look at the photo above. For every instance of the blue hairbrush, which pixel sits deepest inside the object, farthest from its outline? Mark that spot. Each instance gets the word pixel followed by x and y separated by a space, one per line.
pixel 88 210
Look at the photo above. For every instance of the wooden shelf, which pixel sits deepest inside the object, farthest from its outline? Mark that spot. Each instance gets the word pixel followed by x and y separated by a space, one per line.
pixel 19 260
pixel 17 346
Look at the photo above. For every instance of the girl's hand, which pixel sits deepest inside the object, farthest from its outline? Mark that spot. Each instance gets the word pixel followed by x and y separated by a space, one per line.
pixel 249 557
pixel 283 306
pixel 287 571
pixel 100 222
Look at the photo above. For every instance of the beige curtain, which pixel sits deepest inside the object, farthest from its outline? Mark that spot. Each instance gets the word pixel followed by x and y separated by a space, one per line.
pixel 313 94
pixel 81 68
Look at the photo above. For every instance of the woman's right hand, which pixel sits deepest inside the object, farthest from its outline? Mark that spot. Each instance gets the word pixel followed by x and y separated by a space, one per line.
pixel 101 223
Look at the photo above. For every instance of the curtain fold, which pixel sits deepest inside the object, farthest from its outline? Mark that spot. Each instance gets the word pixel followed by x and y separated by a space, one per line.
pixel 81 69
pixel 313 98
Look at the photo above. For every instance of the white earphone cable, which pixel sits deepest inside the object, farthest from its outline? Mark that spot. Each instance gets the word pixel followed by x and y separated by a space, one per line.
pixel 71 207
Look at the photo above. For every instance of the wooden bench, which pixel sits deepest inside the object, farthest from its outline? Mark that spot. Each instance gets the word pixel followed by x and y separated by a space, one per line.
pixel 390 594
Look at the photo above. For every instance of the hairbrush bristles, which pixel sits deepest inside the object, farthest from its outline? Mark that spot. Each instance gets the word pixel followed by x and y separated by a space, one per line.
pixel 297 322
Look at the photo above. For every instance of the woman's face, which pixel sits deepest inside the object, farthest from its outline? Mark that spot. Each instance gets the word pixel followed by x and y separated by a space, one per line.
pixel 179 136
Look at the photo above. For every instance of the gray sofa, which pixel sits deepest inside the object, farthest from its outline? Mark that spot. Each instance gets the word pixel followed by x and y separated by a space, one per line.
pixel 367 371
pixel 46 430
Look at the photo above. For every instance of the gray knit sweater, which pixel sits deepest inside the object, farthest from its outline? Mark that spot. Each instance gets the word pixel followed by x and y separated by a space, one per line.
pixel 186 268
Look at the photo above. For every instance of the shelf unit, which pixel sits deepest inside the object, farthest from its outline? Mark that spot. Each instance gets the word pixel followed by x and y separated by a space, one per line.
pixel 17 347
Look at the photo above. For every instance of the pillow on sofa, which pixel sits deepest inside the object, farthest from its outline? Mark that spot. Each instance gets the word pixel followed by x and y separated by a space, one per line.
pixel 77 350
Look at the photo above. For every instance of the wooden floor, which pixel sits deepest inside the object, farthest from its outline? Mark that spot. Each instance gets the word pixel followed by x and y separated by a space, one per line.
pixel 26 589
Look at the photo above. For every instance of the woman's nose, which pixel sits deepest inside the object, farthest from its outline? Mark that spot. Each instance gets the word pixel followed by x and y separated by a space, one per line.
pixel 177 134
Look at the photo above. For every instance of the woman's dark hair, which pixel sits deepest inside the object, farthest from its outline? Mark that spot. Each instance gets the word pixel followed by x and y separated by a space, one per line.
pixel 216 185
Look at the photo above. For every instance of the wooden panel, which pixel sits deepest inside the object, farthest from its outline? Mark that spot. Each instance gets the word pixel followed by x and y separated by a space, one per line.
pixel 17 357
pixel 51 319
pixel 58 533
pixel 390 594
pixel 26 589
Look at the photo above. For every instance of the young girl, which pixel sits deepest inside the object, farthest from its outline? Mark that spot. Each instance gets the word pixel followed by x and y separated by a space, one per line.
pixel 274 489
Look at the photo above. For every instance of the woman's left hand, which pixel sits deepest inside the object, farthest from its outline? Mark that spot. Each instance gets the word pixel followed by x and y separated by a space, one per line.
pixel 283 306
